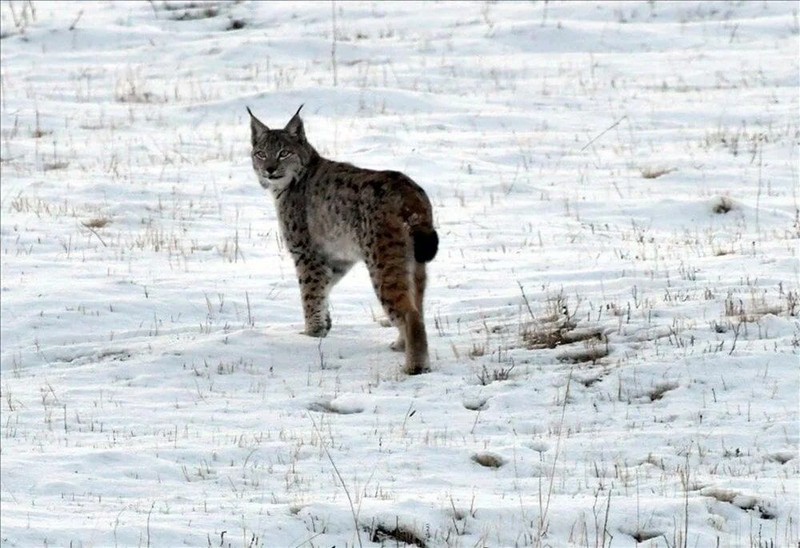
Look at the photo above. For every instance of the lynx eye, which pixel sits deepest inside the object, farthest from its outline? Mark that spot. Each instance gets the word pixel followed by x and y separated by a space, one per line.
pixel 283 154
pixel 260 155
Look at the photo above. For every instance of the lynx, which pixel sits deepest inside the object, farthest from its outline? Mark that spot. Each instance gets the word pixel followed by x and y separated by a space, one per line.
pixel 334 214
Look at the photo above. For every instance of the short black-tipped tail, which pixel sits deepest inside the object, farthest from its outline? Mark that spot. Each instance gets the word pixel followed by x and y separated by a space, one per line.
pixel 426 244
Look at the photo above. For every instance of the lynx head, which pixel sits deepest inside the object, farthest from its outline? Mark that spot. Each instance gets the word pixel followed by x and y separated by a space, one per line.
pixel 280 156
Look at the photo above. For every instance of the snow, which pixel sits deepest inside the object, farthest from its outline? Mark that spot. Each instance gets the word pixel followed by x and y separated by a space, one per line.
pixel 613 313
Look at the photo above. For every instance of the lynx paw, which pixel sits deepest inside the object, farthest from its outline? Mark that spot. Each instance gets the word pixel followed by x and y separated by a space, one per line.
pixel 319 329
pixel 418 367
pixel 398 346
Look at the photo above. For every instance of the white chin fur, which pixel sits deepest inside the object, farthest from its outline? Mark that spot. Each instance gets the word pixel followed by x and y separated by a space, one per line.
pixel 275 185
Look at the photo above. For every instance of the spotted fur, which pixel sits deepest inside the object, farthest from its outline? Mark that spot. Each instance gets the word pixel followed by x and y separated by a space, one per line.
pixel 334 214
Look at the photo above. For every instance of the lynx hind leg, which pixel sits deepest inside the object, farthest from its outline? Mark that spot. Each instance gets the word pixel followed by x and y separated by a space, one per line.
pixel 393 285
pixel 417 360
pixel 420 279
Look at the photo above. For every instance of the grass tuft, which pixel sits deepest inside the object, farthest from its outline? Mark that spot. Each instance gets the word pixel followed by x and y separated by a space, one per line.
pixel 655 173
pixel 396 535
pixel 488 460
pixel 98 222
pixel 722 205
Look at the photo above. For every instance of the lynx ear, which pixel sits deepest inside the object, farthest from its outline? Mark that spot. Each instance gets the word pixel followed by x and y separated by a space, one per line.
pixel 257 128
pixel 295 126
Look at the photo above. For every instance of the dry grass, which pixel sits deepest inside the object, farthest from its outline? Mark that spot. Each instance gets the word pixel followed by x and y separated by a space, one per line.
pixel 98 222
pixel 660 389
pixel 53 166
pixel 486 377
pixel 593 351
pixel 191 11
pixel 655 173
pixel 566 334
pixel 389 536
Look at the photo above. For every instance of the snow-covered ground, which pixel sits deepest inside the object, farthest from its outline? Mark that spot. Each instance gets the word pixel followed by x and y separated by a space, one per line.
pixel 613 313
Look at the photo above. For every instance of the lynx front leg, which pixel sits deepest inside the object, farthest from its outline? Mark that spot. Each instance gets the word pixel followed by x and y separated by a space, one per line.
pixel 316 280
pixel 315 310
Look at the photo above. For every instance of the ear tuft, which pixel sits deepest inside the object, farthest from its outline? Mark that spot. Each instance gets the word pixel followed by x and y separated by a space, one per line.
pixel 257 127
pixel 295 126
